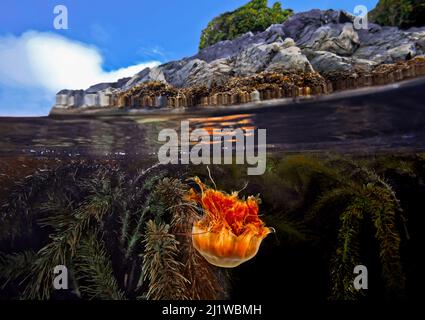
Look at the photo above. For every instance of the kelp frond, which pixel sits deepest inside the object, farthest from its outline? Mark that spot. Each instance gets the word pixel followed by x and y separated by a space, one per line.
pixel 15 266
pixel 160 267
pixel 94 270
pixel 347 254
pixel 203 279
pixel 39 285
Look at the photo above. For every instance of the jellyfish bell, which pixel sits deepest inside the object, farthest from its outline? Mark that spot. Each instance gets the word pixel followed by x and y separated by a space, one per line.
pixel 224 249
pixel 231 231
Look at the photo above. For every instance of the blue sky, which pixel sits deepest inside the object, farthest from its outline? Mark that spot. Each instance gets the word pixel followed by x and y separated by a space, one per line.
pixel 109 38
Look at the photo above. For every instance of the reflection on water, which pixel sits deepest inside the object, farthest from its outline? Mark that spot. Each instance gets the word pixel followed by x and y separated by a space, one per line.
pixel 211 126
pixel 237 121
pixel 369 122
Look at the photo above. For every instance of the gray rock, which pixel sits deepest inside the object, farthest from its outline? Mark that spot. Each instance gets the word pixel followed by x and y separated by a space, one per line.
pixel 339 39
pixel 91 100
pixel 255 96
pixel 147 74
pixel 171 71
pixel 226 49
pixel 403 52
pixel 61 101
pixel 103 86
pixel 324 61
pixel 203 73
pixel 271 57
pixel 324 41
pixel 417 36
pixel 297 27
pixel 290 59
pixel 255 58
pixel 301 26
pixel 378 44
pixel 288 42
pixel 76 99
pixel 180 74
pixel 105 97
pixel 69 98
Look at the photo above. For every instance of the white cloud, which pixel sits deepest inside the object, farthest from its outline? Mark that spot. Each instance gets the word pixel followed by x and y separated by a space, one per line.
pixel 52 62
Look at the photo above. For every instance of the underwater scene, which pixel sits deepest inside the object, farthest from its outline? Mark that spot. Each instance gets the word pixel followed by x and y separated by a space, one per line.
pixel 90 194
pixel 284 162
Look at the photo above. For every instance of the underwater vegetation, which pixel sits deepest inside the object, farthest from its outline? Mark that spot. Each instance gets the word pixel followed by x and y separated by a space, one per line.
pixel 127 234
pixel 120 236
pixel 331 213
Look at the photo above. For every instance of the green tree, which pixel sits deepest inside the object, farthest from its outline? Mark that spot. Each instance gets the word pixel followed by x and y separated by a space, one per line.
pixel 400 13
pixel 255 16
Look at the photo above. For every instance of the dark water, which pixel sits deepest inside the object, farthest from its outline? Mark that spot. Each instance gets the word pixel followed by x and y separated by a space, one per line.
pixel 382 120
pixel 366 122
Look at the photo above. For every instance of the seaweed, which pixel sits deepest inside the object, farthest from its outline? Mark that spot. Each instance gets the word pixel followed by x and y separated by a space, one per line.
pixel 120 232
pixel 102 223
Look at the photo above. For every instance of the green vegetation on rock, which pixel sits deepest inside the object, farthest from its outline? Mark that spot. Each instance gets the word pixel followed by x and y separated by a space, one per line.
pixel 255 16
pixel 400 13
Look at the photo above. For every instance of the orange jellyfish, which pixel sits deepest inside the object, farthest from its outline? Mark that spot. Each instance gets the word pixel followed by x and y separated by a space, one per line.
pixel 230 231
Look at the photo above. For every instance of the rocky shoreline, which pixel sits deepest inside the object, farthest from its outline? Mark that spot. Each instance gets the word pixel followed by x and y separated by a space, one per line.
pixel 312 53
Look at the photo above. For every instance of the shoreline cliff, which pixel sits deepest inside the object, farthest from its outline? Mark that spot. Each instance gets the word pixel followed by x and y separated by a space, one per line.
pixel 312 53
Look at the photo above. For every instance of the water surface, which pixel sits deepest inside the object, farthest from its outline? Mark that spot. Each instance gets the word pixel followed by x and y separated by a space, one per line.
pixel 381 120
